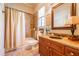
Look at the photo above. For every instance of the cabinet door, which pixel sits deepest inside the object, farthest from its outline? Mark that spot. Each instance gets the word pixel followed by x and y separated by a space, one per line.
pixel 71 52
pixel 40 49
pixel 50 52
pixel 56 53
pixel 57 46
pixel 43 46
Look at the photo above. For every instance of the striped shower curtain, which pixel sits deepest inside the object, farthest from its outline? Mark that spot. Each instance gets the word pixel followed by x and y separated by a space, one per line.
pixel 14 28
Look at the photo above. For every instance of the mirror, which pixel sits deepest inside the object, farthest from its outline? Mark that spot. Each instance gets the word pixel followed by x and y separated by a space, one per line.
pixel 60 14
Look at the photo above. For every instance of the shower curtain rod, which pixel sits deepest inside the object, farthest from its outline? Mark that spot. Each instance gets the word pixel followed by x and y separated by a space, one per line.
pixel 18 10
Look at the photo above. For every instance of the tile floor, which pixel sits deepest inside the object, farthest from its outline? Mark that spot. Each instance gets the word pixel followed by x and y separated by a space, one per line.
pixel 24 52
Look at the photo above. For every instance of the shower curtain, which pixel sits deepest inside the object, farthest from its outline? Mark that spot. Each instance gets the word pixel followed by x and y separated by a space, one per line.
pixel 14 28
pixel 27 26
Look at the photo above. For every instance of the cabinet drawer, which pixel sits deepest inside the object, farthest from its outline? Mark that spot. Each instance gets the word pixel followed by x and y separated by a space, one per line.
pixel 57 46
pixel 43 51
pixel 55 53
pixel 71 52
pixel 45 42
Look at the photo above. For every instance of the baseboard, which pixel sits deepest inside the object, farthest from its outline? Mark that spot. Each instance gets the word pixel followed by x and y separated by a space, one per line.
pixel 10 50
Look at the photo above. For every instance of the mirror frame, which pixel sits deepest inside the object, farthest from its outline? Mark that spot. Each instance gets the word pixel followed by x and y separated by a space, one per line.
pixel 73 13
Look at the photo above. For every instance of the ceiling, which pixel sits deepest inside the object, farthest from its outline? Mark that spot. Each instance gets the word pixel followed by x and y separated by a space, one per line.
pixel 32 5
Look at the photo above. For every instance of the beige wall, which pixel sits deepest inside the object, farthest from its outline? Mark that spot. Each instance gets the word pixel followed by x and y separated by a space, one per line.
pixel 38 7
pixel 48 7
pixel 20 6
pixel 1 29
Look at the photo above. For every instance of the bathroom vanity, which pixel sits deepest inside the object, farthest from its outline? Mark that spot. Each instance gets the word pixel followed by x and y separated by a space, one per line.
pixel 57 47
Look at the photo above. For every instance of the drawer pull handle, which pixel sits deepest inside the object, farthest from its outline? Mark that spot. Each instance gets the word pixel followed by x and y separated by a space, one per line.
pixel 71 53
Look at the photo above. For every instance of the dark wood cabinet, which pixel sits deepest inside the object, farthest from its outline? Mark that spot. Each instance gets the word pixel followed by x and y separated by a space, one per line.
pixel 51 48
pixel 57 46
pixel 56 53
pixel 44 47
pixel 71 51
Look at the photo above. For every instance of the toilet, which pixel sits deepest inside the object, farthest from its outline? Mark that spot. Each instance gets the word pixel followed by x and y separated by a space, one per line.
pixel 30 43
